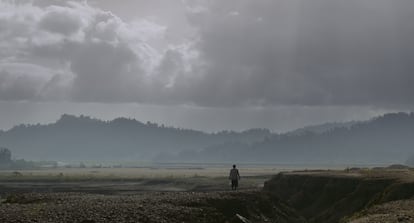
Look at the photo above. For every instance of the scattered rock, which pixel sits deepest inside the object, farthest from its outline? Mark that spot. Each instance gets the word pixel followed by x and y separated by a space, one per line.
pixel 149 207
pixel 242 219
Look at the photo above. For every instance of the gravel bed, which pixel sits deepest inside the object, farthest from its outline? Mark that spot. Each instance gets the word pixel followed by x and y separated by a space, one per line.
pixel 148 207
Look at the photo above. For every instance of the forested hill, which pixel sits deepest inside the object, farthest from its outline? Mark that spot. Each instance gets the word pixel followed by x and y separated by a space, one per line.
pixel 385 139
pixel 85 138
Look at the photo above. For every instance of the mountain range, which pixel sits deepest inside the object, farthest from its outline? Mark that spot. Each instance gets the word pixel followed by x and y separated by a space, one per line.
pixel 384 139
pixel 86 138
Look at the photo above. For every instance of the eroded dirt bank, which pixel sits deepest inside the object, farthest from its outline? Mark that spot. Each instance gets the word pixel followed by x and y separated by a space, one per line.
pixel 328 196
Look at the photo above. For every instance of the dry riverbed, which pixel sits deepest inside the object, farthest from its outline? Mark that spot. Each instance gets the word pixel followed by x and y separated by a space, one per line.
pixel 365 195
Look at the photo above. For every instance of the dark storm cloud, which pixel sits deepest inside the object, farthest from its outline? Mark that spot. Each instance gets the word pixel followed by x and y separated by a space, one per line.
pixel 319 52
pixel 238 53
pixel 17 87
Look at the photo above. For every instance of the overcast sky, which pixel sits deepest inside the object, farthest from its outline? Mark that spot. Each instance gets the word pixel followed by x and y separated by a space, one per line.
pixel 206 64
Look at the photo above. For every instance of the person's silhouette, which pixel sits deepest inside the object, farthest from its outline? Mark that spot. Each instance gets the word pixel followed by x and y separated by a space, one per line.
pixel 234 176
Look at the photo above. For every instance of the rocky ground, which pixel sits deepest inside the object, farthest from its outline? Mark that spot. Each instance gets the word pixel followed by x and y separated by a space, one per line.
pixel 156 207
pixel 397 211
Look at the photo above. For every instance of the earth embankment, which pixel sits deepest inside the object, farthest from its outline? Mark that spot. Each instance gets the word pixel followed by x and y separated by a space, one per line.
pixel 336 196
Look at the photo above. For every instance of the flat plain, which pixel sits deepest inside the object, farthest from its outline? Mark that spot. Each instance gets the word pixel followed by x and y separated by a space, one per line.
pixel 166 177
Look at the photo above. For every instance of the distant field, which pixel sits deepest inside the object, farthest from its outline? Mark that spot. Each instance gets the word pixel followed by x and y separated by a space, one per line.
pixel 154 171
pixel 162 177
pixel 132 180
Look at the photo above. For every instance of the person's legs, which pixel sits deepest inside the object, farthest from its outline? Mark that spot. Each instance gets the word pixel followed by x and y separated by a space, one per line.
pixel 233 184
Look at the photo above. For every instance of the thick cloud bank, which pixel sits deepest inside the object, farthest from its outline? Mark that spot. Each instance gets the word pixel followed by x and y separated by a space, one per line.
pixel 73 51
pixel 267 52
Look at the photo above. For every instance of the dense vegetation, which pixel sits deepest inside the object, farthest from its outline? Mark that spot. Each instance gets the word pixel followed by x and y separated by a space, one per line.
pixel 385 139
pixel 83 138
pixel 6 161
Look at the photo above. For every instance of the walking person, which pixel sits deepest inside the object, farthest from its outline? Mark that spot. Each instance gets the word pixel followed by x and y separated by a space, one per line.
pixel 234 176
